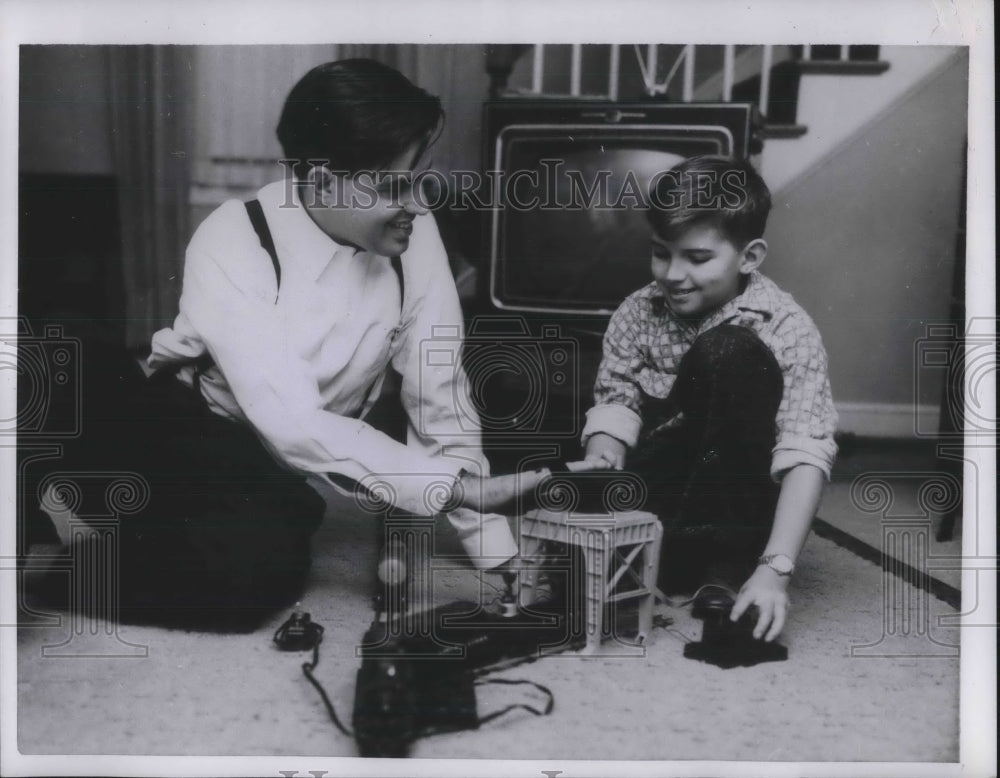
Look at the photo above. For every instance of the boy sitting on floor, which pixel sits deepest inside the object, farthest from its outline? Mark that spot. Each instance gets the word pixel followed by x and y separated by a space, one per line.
pixel 713 388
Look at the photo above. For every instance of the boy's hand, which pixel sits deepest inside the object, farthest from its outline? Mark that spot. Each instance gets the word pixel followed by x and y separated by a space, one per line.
pixel 602 447
pixel 768 591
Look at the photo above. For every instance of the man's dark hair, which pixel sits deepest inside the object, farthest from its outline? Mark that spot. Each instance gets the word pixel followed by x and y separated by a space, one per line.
pixel 722 191
pixel 356 113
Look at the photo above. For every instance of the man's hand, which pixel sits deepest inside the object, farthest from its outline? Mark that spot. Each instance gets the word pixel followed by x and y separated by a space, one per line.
pixel 768 591
pixel 602 447
pixel 496 492
pixel 493 494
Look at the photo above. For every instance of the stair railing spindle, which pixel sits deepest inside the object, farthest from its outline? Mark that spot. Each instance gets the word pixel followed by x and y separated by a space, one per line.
pixel 576 57
pixel 614 59
pixel 727 73
pixel 537 68
pixel 688 73
pixel 765 77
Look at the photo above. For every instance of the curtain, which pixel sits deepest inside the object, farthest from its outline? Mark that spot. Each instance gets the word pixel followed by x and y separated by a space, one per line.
pixel 240 91
pixel 151 133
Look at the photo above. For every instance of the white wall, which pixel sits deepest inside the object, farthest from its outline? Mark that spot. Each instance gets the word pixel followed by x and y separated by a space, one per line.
pixel 865 240
pixel 836 107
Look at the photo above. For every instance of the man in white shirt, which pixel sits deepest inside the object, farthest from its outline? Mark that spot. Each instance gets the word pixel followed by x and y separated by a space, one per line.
pixel 294 344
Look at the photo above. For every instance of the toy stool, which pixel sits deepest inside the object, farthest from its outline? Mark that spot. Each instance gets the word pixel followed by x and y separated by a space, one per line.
pixel 618 537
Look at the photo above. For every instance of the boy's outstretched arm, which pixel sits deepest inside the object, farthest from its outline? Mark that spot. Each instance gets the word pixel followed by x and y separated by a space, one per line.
pixel 798 502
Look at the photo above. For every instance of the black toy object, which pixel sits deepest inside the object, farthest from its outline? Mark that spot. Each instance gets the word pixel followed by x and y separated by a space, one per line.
pixel 298 633
pixel 727 643
pixel 418 670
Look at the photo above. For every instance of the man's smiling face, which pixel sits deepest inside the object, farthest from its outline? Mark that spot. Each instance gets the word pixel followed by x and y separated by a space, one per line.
pixel 373 211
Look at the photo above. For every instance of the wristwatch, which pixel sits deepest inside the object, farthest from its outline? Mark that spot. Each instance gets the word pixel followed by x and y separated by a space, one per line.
pixel 780 563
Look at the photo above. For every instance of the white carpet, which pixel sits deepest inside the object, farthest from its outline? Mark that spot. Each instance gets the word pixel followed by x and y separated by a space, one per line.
pixel 872 676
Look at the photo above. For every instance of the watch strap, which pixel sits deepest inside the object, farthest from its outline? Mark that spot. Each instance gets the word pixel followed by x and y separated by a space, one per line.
pixel 768 559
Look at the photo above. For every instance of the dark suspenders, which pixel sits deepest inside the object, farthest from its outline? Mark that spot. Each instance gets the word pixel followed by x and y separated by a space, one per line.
pixel 256 214
pixel 259 223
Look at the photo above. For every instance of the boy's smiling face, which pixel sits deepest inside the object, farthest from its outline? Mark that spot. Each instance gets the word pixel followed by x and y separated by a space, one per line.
pixel 700 270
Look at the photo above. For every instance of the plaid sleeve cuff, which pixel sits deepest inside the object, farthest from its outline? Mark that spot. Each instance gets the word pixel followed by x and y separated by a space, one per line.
pixel 793 451
pixel 615 420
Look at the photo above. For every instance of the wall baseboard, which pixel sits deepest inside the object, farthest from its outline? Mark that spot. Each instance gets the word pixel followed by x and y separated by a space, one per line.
pixel 888 420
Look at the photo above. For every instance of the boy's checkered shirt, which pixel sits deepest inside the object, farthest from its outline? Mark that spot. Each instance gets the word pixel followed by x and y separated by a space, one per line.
pixel 644 344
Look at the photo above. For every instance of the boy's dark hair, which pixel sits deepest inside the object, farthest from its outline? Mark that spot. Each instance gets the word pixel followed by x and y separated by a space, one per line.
pixel 725 192
pixel 356 113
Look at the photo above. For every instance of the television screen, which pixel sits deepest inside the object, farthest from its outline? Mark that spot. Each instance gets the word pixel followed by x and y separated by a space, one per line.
pixel 570 233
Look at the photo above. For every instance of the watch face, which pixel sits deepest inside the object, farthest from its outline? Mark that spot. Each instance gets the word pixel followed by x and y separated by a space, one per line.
pixel 781 563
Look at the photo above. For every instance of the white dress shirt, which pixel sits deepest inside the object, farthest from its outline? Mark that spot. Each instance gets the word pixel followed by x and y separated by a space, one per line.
pixel 299 362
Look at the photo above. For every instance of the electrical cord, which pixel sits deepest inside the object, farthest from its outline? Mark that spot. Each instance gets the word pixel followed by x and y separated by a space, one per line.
pixel 681 635
pixel 300 633
pixel 492 585
pixel 307 670
pixel 683 603
pixel 549 705
pixel 693 597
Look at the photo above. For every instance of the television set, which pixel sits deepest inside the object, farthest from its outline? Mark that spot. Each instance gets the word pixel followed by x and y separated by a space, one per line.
pixel 565 235
pixel 565 240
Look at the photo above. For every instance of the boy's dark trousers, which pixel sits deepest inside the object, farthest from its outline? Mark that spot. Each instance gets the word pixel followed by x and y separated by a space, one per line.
pixel 708 477
pixel 224 536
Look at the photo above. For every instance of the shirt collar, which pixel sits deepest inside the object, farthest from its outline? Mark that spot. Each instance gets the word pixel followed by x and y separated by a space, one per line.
pixel 757 296
pixel 294 232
